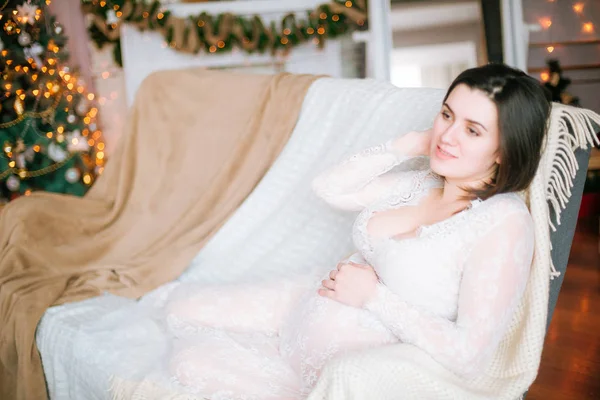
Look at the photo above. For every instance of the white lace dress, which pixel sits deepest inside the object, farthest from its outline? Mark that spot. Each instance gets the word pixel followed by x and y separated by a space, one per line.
pixel 450 289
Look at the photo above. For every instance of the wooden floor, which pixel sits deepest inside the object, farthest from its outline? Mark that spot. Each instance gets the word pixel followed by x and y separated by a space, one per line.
pixel 570 368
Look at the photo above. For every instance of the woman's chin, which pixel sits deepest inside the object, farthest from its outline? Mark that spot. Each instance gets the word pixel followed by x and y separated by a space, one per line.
pixel 439 168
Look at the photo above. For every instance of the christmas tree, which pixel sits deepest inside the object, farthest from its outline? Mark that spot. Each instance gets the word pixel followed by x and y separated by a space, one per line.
pixel 48 134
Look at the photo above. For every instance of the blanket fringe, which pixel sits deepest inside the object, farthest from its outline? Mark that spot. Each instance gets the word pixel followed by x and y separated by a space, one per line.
pixel 575 130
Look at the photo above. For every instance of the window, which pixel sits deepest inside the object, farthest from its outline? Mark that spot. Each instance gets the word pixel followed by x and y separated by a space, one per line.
pixel 433 66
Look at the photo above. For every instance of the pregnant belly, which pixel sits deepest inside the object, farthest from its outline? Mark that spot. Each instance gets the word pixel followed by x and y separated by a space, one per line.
pixel 319 328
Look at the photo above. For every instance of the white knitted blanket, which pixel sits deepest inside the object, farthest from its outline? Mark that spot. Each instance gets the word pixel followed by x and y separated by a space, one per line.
pixel 403 372
pixel 282 228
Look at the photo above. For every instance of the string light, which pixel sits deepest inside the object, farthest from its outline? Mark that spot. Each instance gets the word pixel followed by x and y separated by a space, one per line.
pixel 545 22
pixel 587 27
pixel 550 49
pixel 578 7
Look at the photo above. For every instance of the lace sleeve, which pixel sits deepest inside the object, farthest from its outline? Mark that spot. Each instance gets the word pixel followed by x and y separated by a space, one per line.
pixel 494 279
pixel 359 180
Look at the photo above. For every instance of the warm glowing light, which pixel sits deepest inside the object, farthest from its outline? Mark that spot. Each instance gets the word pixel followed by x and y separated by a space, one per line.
pixel 545 23
pixel 578 7
pixel 90 96
pixel 550 49
pixel 587 27
pixel 105 75
pixel 348 4
pixel 60 129
pixel 87 179
pixel 100 155
pixel 49 135
pixel 545 76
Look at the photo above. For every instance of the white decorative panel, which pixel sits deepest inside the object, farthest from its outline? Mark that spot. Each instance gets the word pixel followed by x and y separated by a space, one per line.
pixel 146 52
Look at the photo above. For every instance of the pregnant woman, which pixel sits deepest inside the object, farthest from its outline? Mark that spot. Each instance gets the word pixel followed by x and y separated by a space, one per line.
pixel 443 256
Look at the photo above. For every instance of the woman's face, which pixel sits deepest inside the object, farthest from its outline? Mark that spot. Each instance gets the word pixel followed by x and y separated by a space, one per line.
pixel 465 138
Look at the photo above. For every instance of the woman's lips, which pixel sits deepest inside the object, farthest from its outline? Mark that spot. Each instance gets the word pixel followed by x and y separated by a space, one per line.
pixel 443 154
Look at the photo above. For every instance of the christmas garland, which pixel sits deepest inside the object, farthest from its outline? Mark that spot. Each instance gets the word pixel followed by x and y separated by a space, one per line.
pixel 223 32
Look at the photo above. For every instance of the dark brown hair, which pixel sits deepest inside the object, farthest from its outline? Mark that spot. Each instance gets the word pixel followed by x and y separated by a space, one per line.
pixel 523 109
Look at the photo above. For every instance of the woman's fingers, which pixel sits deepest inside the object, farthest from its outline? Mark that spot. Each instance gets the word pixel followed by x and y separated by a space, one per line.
pixel 328 283
pixel 332 275
pixel 326 293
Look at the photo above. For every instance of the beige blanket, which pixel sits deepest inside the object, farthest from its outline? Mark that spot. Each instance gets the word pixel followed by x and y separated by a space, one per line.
pixel 195 145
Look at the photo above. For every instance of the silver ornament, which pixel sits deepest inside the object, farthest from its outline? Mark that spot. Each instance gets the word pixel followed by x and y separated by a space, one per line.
pixel 57 153
pixel 71 118
pixel 72 175
pixel 13 183
pixel 58 29
pixel 82 107
pixel 24 39
pixel 21 162
pixel 29 154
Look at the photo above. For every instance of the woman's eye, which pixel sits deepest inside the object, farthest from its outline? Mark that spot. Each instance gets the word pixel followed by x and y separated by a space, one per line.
pixel 473 132
pixel 445 115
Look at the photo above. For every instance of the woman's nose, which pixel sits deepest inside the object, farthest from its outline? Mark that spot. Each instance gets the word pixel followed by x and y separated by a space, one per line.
pixel 449 135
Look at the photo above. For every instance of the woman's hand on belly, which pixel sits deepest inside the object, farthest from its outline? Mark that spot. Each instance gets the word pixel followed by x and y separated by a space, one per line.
pixel 351 284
